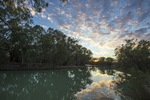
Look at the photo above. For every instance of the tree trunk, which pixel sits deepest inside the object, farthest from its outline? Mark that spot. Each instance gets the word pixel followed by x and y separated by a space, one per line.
pixel 22 56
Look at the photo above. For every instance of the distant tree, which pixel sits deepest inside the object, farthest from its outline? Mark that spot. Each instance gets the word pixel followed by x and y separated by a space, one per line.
pixel 102 59
pixel 109 61
pixel 134 54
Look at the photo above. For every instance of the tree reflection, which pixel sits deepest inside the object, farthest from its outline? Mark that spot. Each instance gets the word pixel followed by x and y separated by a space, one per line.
pixel 43 85
pixel 133 86
pixel 106 70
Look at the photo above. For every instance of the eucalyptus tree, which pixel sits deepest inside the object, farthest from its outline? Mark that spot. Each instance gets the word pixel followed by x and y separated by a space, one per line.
pixel 14 21
pixel 82 55
pixel 60 47
pixel 35 51
pixel 134 54
pixel 71 51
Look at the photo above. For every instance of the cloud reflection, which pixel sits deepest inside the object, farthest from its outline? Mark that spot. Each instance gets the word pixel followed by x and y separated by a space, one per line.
pixel 100 89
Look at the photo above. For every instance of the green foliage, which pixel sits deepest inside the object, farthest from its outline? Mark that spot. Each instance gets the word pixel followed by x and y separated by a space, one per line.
pixel 134 54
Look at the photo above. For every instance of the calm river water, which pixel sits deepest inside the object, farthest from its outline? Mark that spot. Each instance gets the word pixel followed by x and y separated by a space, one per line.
pixel 66 84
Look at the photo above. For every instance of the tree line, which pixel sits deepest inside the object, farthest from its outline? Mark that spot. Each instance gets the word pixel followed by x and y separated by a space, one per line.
pixel 21 41
pixel 102 61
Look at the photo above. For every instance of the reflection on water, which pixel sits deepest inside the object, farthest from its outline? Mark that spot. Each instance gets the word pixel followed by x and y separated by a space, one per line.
pixel 102 88
pixel 42 85
pixel 81 84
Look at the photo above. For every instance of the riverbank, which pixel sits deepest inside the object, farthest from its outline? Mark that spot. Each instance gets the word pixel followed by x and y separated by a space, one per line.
pixel 35 66
pixel 47 66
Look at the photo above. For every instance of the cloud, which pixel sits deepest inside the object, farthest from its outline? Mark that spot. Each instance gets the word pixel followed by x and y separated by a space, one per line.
pixel 102 24
pixel 32 11
pixel 147 37
pixel 141 31
pixel 114 3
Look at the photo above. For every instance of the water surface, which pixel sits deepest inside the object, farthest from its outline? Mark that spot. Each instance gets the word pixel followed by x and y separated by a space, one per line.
pixel 67 84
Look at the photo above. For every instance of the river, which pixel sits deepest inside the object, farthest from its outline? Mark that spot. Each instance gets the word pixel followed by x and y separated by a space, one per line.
pixel 65 84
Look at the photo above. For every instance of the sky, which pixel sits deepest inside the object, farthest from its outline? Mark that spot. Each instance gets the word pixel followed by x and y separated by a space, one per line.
pixel 99 25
